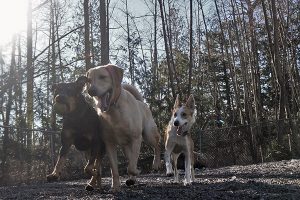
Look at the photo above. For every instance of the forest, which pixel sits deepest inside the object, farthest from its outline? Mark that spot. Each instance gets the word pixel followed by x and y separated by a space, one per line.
pixel 239 58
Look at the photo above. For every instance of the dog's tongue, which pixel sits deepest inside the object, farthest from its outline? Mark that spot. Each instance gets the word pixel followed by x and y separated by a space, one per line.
pixel 105 102
pixel 179 130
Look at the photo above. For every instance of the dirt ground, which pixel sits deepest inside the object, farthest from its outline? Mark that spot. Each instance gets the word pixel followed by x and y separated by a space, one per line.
pixel 274 180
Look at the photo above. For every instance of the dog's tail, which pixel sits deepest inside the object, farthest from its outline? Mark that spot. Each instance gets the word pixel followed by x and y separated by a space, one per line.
pixel 133 91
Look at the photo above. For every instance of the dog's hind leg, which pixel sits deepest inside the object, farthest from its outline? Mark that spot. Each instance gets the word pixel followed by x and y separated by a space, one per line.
pixel 90 167
pixel 176 175
pixel 55 175
pixel 96 179
pixel 188 168
pixel 152 138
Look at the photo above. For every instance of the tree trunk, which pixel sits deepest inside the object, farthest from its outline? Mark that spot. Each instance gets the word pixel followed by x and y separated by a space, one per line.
pixel 155 56
pixel 87 45
pixel 8 107
pixel 191 48
pixel 104 33
pixel 280 77
pixel 211 70
pixel 56 16
pixel 30 74
pixel 129 49
pixel 225 55
pixel 171 71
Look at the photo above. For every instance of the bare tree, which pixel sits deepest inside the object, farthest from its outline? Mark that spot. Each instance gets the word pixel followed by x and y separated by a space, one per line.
pixel 279 72
pixel 171 71
pixel 129 49
pixel 30 74
pixel 104 28
pixel 8 108
pixel 87 45
pixel 191 48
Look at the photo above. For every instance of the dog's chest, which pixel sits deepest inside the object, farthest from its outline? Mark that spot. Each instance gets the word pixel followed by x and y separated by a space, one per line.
pixel 181 143
pixel 120 129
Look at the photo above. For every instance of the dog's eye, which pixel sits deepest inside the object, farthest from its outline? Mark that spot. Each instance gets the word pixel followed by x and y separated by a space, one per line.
pixel 183 114
pixel 175 114
pixel 101 77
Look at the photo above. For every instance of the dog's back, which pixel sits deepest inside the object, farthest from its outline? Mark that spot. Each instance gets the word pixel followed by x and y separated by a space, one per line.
pixel 133 91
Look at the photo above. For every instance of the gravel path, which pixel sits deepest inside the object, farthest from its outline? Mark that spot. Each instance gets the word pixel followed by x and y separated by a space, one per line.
pixel 274 180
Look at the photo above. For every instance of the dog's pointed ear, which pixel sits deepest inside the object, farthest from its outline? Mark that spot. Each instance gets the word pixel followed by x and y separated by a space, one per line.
pixel 81 81
pixel 53 87
pixel 177 102
pixel 191 102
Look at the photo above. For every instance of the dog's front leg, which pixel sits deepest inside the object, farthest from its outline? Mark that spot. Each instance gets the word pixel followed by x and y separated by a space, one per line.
pixel 90 166
pixel 66 141
pixel 188 168
pixel 169 148
pixel 192 166
pixel 96 179
pixel 111 150
pixel 55 175
pixel 132 152
pixel 176 174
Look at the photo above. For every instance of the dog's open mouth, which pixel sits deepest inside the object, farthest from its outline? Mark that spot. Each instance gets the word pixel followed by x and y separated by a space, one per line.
pixel 182 130
pixel 105 101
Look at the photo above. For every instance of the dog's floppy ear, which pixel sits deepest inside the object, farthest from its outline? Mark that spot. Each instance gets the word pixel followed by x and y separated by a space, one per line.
pixel 116 73
pixel 177 103
pixel 191 102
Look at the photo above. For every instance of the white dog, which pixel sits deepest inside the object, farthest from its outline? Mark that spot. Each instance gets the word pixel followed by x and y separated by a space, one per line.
pixel 178 139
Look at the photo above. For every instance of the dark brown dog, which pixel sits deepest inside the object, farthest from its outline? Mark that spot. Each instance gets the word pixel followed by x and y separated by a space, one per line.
pixel 81 127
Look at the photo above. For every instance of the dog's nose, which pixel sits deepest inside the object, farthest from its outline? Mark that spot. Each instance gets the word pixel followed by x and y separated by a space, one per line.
pixel 92 91
pixel 60 99
pixel 176 123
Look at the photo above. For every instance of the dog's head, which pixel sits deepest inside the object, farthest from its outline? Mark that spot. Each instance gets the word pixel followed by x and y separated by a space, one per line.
pixel 65 95
pixel 105 84
pixel 183 115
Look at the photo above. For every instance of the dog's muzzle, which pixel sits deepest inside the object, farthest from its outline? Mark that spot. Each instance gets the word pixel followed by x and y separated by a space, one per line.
pixel 61 99
pixel 92 91
pixel 176 123
pixel 181 130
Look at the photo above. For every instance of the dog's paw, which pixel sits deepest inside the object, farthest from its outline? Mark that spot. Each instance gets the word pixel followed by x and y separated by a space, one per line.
pixel 115 190
pixel 170 174
pixel 52 178
pixel 89 187
pixel 130 182
pixel 90 171
pixel 156 166
pixel 186 183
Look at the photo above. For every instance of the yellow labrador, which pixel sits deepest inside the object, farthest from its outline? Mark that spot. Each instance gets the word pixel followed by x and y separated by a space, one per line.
pixel 126 120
